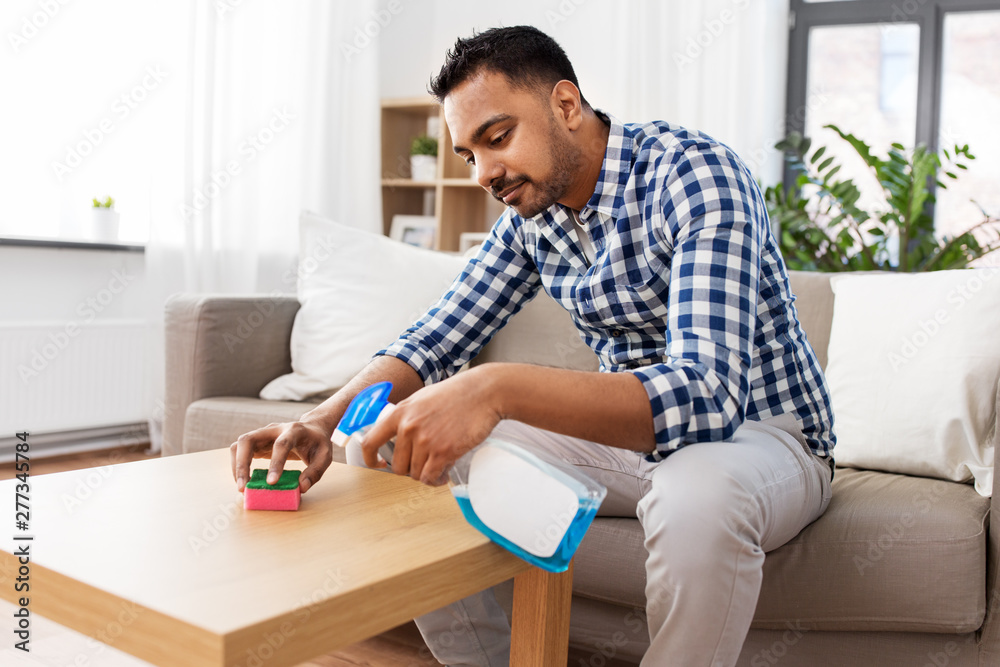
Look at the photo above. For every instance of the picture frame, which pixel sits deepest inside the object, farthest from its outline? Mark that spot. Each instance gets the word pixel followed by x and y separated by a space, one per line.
pixel 469 240
pixel 415 230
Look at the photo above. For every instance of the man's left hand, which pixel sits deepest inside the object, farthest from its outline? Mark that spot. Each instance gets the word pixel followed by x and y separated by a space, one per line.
pixel 437 425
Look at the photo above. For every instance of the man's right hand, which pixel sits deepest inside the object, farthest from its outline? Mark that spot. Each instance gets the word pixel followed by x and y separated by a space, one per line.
pixel 309 438
pixel 306 441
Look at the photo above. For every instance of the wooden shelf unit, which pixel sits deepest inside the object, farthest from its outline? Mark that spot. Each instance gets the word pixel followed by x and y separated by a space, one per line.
pixel 460 204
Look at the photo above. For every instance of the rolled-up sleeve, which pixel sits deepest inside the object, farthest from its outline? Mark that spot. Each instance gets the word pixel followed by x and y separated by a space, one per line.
pixel 495 284
pixel 712 223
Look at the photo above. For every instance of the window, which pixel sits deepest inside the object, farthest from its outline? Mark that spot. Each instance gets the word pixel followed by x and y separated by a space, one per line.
pixel 970 114
pixel 94 107
pixel 907 71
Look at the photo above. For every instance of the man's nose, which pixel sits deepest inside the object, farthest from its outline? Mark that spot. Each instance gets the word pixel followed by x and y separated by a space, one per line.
pixel 488 172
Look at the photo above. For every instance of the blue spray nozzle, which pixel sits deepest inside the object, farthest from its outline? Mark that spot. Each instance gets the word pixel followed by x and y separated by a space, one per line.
pixel 363 411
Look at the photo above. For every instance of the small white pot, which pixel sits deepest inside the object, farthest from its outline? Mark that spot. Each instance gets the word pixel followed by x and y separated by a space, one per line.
pixel 104 224
pixel 423 167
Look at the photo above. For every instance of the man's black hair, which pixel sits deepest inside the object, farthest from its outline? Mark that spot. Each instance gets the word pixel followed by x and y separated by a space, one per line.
pixel 525 55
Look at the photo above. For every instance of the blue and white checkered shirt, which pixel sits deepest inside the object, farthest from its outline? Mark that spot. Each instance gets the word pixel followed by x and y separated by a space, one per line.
pixel 688 291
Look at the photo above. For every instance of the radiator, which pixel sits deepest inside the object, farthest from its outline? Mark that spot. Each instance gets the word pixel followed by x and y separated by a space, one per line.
pixel 60 377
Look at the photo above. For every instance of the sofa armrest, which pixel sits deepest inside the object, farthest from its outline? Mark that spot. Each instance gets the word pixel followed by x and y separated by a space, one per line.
pixel 222 346
pixel 989 635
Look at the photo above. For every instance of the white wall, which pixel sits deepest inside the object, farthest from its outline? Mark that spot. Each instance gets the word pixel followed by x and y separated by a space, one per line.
pixel 414 45
pixel 717 66
pixel 405 51
pixel 575 24
pixel 64 285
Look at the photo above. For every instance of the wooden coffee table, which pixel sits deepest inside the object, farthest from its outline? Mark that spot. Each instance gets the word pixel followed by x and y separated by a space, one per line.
pixel 158 559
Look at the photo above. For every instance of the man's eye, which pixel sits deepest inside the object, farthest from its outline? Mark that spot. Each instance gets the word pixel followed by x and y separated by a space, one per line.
pixel 500 138
pixel 470 161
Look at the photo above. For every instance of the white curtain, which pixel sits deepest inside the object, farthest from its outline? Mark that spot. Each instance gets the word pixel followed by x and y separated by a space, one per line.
pixel 718 66
pixel 282 113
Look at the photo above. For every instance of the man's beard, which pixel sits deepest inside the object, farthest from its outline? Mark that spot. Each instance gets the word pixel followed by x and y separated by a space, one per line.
pixel 565 160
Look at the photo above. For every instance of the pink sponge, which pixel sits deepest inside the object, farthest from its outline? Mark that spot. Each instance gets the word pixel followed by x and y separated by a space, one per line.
pixel 283 495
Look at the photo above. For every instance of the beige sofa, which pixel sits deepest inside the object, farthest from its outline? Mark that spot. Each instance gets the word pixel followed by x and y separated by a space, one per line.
pixel 899 571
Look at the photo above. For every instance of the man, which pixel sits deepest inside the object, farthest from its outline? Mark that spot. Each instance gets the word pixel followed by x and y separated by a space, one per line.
pixel 710 420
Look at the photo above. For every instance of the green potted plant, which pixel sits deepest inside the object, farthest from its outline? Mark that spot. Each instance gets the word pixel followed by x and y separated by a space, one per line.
pixel 823 228
pixel 423 158
pixel 104 220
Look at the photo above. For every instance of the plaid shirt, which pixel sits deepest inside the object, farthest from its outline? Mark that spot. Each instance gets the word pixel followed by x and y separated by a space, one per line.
pixel 688 291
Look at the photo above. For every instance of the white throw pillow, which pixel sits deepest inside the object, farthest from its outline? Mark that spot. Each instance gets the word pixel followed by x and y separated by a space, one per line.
pixel 914 373
pixel 359 291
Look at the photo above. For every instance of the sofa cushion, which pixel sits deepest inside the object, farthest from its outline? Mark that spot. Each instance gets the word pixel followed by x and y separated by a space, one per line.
pixel 914 367
pixel 359 291
pixel 541 333
pixel 891 553
pixel 212 423
pixel 814 305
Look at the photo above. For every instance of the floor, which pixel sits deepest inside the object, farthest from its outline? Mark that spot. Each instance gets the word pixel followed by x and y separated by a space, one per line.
pixel 399 647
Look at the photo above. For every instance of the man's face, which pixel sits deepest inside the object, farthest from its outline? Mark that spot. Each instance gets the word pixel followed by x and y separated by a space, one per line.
pixel 524 155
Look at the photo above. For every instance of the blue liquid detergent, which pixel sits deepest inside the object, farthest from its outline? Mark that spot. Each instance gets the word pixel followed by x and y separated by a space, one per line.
pixel 373 401
pixel 558 561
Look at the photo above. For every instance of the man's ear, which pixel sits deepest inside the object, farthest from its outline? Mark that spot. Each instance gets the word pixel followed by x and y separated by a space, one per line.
pixel 566 105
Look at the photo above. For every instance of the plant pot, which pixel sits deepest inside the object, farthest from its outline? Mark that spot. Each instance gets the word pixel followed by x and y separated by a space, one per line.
pixel 423 167
pixel 104 224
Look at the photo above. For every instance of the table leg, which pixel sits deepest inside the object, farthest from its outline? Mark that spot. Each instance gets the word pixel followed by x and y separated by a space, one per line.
pixel 540 628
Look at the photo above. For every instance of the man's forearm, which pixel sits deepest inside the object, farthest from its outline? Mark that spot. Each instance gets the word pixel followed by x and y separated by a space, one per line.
pixel 609 408
pixel 404 380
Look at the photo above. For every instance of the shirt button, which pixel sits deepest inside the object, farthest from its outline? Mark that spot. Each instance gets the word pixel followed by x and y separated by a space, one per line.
pixel 615 333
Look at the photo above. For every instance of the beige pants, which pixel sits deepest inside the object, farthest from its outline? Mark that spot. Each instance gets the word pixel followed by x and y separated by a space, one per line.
pixel 709 512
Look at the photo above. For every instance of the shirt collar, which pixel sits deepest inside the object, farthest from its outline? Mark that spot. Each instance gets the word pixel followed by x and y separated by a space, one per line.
pixel 615 170
pixel 611 182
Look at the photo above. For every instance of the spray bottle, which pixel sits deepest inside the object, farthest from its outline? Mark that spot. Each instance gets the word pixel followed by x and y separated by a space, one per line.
pixel 535 506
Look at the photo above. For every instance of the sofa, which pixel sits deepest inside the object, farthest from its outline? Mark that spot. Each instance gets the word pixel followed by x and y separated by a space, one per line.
pixel 900 570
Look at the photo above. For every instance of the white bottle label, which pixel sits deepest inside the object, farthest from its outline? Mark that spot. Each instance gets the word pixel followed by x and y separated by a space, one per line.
pixel 519 501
